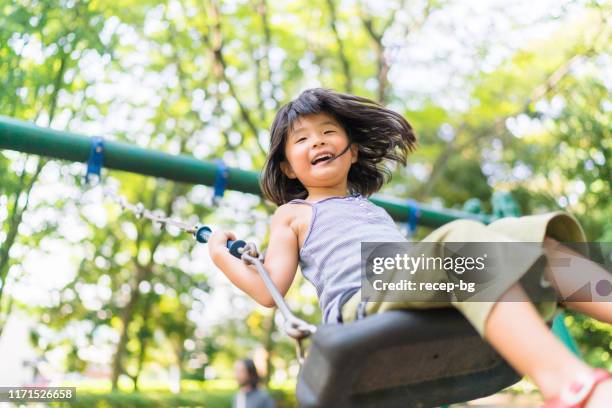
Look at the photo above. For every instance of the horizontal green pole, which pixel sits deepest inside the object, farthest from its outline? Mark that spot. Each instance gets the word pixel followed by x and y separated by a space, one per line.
pixel 428 216
pixel 28 138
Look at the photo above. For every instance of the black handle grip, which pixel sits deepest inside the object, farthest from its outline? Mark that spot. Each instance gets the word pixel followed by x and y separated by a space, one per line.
pixel 202 235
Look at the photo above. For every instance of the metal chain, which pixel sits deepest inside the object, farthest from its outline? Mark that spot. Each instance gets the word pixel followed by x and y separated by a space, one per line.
pixel 294 327
pixel 140 211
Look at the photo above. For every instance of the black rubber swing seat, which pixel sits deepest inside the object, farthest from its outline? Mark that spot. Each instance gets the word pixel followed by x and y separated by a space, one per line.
pixel 401 358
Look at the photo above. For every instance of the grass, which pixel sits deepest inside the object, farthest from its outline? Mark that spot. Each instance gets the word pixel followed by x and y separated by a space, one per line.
pixel 209 394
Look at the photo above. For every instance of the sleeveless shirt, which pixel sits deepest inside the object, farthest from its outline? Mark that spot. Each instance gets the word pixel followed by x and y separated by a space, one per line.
pixel 330 258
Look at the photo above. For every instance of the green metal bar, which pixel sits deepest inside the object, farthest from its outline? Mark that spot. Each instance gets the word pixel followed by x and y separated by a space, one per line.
pixel 28 138
pixel 430 217
pixel 560 329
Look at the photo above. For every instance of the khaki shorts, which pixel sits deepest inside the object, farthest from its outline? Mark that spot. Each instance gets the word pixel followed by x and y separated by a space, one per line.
pixel 531 228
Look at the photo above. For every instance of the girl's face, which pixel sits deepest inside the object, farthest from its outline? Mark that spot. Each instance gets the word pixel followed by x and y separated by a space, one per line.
pixel 309 147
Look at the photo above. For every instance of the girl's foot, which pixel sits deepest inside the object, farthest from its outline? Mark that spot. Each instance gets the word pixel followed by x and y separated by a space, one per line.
pixel 593 390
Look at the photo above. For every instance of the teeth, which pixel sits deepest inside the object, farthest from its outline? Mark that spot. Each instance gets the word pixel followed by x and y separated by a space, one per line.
pixel 321 158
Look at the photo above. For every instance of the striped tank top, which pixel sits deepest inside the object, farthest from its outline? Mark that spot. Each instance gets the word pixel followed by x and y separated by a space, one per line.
pixel 330 258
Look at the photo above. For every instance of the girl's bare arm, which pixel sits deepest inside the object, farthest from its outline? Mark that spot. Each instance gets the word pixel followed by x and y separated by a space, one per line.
pixel 281 259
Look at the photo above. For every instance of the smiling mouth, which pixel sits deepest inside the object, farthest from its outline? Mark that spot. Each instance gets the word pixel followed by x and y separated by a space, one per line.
pixel 322 159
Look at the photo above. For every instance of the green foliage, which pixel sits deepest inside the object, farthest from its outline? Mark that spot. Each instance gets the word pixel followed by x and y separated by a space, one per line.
pixel 461 180
pixel 594 339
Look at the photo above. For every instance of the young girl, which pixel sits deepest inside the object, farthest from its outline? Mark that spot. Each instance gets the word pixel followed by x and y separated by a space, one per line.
pixel 327 155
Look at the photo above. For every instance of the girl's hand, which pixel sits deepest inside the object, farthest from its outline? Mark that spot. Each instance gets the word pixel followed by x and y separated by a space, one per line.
pixel 217 243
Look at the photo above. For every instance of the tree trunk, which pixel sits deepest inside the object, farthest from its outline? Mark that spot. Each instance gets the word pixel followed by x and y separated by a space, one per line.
pixel 143 337
pixel 15 217
pixel 126 319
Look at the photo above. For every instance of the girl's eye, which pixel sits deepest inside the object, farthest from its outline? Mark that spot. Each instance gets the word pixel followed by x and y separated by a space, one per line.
pixel 328 131
pixel 300 139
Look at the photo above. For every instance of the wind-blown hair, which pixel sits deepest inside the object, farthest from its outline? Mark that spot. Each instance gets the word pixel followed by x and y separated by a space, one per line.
pixel 380 134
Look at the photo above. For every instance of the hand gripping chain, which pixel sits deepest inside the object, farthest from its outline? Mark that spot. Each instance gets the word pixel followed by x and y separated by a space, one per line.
pixel 295 327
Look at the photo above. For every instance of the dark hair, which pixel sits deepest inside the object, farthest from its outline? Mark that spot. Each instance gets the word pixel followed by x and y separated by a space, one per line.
pixel 252 372
pixel 380 134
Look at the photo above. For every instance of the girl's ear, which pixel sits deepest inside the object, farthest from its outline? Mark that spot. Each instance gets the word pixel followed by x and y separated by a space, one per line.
pixel 354 153
pixel 286 168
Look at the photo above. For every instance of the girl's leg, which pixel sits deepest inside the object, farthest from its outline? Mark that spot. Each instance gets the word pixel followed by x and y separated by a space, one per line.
pixel 568 271
pixel 518 333
pixel 601 311
pixel 516 330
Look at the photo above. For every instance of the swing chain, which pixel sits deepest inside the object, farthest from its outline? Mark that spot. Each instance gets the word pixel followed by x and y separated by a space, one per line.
pixel 299 351
pixel 295 327
pixel 93 179
pixel 139 210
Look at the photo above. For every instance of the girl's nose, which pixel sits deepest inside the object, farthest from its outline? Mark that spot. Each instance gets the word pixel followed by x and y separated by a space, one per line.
pixel 317 140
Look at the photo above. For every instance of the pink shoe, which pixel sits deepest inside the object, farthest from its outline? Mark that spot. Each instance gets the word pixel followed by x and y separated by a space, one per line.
pixel 579 391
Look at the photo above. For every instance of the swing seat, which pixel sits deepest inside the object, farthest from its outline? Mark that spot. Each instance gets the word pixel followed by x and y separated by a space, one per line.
pixel 401 358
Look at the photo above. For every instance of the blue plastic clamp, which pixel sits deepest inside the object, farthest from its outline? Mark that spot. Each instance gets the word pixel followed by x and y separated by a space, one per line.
pixel 95 160
pixel 221 177
pixel 414 213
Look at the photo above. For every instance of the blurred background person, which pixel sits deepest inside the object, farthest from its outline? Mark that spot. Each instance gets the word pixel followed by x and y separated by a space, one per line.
pixel 249 395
